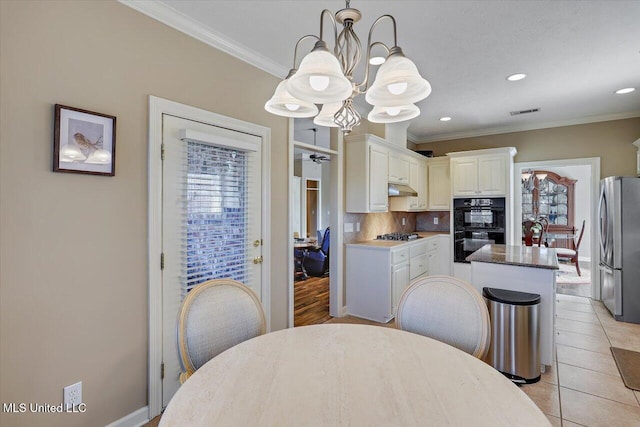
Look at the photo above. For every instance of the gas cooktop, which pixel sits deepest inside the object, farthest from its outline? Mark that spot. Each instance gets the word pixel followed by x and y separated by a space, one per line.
pixel 398 236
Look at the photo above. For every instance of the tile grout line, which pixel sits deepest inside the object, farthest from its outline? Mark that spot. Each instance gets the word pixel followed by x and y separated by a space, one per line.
pixel 600 397
pixel 588 369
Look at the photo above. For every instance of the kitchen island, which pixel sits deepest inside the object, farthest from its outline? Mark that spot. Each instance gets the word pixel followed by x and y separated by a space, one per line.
pixel 525 269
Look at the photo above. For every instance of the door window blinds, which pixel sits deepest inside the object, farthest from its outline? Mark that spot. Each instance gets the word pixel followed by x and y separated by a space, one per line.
pixel 216 228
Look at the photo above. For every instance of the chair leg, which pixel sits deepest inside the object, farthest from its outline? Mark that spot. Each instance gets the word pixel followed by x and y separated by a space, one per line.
pixel 578 266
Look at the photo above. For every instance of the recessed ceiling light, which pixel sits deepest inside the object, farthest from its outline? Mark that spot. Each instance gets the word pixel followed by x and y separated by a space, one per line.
pixel 445 119
pixel 625 90
pixel 516 77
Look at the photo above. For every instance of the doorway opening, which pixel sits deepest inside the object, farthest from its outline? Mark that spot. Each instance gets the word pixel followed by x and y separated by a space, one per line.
pixel 315 201
pixel 563 195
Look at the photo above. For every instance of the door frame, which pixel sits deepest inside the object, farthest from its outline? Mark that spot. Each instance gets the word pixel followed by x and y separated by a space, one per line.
pixel 336 260
pixel 594 187
pixel 158 107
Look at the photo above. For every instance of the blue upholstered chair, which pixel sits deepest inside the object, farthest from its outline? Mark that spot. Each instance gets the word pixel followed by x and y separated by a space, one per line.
pixel 316 261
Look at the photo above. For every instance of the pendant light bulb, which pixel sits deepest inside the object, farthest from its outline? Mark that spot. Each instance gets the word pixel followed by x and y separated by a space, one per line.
pixel 397 88
pixel 292 107
pixel 393 111
pixel 319 83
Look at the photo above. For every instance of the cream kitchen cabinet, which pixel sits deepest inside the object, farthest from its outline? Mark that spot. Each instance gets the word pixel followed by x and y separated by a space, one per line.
pixel 439 184
pixel 376 277
pixel 366 177
pixel 417 181
pixel 399 168
pixel 378 272
pixel 486 174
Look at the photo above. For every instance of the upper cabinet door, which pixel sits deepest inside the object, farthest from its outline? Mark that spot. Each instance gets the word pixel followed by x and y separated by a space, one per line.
pixel 491 176
pixel 398 168
pixel 378 187
pixel 464 174
pixel 439 185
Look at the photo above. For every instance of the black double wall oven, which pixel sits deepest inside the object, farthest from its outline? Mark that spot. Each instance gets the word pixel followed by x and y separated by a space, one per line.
pixel 476 223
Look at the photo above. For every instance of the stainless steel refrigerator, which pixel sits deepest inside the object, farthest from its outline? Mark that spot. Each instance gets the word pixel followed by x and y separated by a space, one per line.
pixel 619 217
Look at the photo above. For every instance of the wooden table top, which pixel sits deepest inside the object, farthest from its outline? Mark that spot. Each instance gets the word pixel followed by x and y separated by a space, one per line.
pixel 348 375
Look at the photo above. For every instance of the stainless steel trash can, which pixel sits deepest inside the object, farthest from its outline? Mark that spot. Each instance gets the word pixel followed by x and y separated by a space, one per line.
pixel 515 334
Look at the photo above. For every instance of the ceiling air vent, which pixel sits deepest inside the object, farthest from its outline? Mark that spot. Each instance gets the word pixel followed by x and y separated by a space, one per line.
pixel 517 113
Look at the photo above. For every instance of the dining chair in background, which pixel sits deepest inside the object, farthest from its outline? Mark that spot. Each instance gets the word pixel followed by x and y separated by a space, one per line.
pixel 215 316
pixel 571 253
pixel 446 309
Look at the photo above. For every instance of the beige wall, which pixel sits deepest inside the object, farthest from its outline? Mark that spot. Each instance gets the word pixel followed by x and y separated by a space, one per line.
pixel 611 141
pixel 73 265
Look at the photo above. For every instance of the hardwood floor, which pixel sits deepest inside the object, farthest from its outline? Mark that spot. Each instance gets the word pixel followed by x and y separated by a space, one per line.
pixel 311 301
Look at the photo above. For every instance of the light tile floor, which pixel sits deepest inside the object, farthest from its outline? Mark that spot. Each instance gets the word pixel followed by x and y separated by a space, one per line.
pixel 584 387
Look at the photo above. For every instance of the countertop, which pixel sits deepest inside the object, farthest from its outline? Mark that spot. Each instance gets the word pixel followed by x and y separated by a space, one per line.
pixel 394 243
pixel 525 256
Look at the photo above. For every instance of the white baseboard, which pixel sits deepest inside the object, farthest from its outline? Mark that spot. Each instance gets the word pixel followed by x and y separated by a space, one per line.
pixel 137 418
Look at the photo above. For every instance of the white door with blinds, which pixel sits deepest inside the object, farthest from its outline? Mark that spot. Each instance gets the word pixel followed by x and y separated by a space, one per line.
pixel 211 219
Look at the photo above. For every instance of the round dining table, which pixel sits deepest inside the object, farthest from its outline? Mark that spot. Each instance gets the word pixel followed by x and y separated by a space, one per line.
pixel 348 375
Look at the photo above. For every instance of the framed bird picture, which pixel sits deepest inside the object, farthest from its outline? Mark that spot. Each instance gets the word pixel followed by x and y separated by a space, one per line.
pixel 84 142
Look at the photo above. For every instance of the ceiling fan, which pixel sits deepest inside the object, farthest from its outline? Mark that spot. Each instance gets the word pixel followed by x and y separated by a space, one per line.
pixel 319 158
pixel 315 157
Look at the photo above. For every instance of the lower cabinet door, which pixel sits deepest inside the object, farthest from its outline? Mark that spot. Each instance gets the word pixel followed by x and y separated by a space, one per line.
pixel 399 282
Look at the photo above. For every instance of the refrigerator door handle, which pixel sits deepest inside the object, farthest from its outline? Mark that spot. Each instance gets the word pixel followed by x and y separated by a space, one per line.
pixel 606 268
pixel 603 223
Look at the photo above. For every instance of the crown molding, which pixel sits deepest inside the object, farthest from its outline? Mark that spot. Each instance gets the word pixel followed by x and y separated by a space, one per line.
pixel 520 128
pixel 179 21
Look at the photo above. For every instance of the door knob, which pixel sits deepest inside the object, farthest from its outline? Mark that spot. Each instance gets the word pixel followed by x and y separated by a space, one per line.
pixel 258 260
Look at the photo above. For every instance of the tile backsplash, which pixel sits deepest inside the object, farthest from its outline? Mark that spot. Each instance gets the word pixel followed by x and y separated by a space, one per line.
pixel 424 221
pixel 374 224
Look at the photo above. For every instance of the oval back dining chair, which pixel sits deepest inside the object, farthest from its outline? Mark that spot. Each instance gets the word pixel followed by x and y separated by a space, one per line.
pixel 215 316
pixel 446 309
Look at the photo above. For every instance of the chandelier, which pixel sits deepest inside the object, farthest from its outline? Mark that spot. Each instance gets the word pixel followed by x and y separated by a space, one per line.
pixel 326 78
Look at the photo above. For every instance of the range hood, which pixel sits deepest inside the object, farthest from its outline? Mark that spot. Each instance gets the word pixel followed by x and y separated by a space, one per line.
pixel 399 190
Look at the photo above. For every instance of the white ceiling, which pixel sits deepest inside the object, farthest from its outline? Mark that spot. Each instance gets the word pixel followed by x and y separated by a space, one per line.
pixel 575 54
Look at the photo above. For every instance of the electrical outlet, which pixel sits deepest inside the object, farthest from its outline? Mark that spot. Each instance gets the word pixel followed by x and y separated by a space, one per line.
pixel 404 221
pixel 357 226
pixel 435 220
pixel 72 395
pixel 348 227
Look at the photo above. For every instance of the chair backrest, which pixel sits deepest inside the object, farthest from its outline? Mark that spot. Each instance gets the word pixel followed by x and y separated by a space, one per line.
pixel 545 228
pixel 581 234
pixel 326 240
pixel 446 309
pixel 215 316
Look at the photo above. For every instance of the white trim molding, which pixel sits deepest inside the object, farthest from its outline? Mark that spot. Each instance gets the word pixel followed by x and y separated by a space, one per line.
pixel 189 26
pixel 137 418
pixel 158 107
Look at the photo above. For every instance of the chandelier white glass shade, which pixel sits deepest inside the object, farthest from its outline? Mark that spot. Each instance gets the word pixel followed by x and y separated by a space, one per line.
pixel 325 117
pixel 320 79
pixel 397 83
pixel 282 103
pixel 393 114
pixel 326 77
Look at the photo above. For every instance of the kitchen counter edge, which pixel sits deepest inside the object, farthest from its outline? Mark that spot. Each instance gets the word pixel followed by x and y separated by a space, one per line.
pixel 386 244
pixel 523 256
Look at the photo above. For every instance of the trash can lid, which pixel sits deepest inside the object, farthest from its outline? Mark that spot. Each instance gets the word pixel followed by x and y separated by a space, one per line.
pixel 510 297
